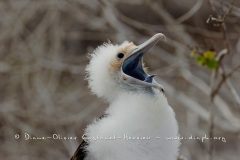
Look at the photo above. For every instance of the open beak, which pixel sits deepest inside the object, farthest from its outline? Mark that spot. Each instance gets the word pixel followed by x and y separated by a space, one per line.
pixel 132 69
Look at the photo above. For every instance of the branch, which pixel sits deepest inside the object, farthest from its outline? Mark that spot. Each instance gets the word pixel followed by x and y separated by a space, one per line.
pixel 229 84
pixel 191 12
pixel 181 35
pixel 224 78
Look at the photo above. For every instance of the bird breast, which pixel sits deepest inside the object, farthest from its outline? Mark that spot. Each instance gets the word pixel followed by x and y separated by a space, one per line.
pixel 147 120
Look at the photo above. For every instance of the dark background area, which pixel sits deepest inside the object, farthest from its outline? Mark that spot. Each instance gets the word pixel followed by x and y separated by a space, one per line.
pixel 43 54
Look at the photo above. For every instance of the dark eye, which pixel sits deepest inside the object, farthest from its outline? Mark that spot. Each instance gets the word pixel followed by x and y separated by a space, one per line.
pixel 120 55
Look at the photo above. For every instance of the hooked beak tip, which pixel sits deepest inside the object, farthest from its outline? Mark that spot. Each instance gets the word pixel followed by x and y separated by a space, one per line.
pixel 160 36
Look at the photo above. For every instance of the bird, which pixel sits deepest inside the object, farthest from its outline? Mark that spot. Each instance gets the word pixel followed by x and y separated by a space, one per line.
pixel 139 124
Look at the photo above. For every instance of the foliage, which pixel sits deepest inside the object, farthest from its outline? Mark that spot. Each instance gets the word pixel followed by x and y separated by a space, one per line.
pixel 205 58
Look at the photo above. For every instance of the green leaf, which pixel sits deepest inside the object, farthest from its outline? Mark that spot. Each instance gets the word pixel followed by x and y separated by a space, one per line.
pixel 212 64
pixel 200 59
pixel 209 54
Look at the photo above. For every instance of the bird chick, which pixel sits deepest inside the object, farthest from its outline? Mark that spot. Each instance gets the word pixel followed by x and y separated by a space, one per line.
pixel 138 120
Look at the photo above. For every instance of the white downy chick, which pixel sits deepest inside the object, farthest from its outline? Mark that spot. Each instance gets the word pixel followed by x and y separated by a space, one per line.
pixel 139 119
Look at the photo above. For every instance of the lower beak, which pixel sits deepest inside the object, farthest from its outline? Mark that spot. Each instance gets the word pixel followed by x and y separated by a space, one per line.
pixel 132 68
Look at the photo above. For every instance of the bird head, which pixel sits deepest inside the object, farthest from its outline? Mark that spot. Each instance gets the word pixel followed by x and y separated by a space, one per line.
pixel 116 68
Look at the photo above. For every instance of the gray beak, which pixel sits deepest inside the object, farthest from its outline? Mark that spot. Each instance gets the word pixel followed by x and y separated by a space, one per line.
pixel 132 69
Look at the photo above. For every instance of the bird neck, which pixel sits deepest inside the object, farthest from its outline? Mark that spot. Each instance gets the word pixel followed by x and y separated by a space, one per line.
pixel 139 89
pixel 141 103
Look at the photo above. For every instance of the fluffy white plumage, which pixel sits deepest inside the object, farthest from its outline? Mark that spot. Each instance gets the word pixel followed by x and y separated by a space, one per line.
pixel 136 115
pixel 101 82
pixel 133 113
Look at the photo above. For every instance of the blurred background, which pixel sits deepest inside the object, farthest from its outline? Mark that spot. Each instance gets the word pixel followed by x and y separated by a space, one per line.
pixel 43 53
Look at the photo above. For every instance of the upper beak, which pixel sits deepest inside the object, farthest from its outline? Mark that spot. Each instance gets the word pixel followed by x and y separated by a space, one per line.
pixel 132 69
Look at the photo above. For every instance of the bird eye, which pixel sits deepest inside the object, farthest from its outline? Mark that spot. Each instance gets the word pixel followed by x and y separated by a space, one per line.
pixel 120 55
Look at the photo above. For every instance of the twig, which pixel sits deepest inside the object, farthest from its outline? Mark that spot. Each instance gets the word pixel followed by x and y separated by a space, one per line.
pixel 191 12
pixel 181 35
pixel 218 22
pixel 224 78
pixel 229 84
pixel 109 14
pixel 233 91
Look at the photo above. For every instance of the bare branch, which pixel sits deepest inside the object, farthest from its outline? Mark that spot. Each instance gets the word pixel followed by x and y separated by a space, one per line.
pixel 191 12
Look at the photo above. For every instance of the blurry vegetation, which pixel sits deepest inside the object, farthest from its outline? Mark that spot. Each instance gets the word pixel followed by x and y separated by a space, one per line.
pixel 43 54
pixel 207 58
